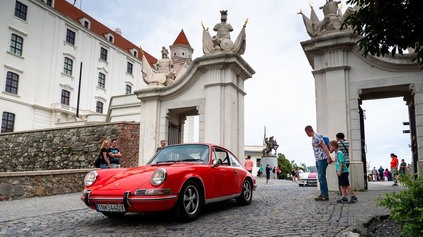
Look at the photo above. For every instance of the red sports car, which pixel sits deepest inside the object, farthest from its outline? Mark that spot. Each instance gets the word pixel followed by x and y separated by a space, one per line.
pixel 180 177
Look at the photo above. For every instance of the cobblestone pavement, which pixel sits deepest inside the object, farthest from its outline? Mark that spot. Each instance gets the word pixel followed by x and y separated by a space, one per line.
pixel 280 208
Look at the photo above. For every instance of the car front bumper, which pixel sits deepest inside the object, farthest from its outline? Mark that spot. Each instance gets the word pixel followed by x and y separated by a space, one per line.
pixel 132 203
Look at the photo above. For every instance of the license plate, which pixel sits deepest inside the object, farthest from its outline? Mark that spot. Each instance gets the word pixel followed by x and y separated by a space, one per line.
pixel 111 207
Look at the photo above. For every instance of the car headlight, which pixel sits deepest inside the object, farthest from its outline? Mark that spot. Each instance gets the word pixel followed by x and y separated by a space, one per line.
pixel 158 177
pixel 90 178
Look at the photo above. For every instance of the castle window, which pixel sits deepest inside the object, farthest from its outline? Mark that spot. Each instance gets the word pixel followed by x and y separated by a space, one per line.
pixel 7 122
pixel 21 10
pixel 129 68
pixel 99 107
pixel 16 44
pixel 65 97
pixel 103 54
pixel 12 81
pixel 70 37
pixel 101 80
pixel 128 90
pixel 67 66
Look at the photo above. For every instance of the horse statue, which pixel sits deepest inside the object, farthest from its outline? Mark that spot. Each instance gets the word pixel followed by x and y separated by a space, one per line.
pixel 271 144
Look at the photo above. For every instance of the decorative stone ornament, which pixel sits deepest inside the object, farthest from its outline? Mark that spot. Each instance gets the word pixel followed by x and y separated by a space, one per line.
pixel 222 42
pixel 332 21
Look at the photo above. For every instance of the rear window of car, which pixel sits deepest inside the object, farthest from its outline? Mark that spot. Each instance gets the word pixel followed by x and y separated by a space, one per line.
pixel 312 169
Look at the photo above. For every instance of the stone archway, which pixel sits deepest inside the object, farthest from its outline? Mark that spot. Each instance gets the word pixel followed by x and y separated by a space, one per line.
pixel 213 89
pixel 343 78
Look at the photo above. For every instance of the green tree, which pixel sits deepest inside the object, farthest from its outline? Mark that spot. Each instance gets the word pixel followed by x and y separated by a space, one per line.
pixel 284 165
pixel 388 26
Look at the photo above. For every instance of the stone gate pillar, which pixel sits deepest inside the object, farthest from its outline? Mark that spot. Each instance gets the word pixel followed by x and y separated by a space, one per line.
pixel 417 92
pixel 328 56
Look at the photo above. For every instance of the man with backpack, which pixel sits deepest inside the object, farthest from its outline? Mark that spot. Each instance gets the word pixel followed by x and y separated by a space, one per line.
pixel 321 153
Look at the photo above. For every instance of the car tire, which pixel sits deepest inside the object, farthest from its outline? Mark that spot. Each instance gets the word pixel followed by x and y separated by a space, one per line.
pixel 190 202
pixel 114 215
pixel 301 185
pixel 246 193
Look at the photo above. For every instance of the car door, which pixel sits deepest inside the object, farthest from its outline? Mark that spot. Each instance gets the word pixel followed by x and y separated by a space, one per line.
pixel 238 172
pixel 224 173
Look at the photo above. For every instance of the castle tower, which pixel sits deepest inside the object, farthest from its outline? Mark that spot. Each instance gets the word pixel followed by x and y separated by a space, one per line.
pixel 181 52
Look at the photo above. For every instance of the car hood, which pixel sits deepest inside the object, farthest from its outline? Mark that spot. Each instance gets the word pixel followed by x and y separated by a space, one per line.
pixel 131 179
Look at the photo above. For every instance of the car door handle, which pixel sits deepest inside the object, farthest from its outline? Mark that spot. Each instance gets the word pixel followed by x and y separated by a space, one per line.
pixel 234 171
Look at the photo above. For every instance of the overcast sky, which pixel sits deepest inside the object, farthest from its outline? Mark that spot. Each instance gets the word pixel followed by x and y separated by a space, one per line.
pixel 281 94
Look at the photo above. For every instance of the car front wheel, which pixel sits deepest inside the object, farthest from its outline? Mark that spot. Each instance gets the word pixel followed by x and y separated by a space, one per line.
pixel 246 194
pixel 190 202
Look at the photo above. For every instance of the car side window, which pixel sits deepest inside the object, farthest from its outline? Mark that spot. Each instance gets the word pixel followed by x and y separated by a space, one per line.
pixel 222 156
pixel 234 161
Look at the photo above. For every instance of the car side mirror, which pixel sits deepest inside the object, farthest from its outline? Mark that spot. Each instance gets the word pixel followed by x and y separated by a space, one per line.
pixel 216 163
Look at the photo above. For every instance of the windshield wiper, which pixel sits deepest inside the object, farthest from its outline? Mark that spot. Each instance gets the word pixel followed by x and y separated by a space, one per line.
pixel 164 161
pixel 185 160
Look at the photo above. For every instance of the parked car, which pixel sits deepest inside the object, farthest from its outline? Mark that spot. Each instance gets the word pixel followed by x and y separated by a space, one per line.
pixel 308 177
pixel 182 178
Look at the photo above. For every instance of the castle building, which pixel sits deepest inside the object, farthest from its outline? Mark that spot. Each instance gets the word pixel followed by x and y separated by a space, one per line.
pixel 59 65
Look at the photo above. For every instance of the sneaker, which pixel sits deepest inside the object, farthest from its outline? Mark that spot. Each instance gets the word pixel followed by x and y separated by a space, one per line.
pixel 343 201
pixel 353 199
pixel 322 198
pixel 394 184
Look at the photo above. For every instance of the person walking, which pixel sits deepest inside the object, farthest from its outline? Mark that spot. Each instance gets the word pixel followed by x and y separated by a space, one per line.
pixel 104 160
pixel 321 153
pixel 248 164
pixel 386 174
pixel 268 169
pixel 394 168
pixel 403 167
pixel 374 174
pixel 114 154
pixel 260 172
pixel 342 172
pixel 381 173
pixel 294 175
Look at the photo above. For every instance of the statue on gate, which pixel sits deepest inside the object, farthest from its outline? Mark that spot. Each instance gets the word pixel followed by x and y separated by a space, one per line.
pixel 221 42
pixel 164 74
pixel 331 22
pixel 271 144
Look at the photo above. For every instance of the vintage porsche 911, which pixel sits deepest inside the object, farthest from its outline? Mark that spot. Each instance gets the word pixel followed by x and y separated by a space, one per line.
pixel 182 178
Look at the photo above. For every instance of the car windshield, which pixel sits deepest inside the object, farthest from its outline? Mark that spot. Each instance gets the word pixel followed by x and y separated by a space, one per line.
pixel 182 153
pixel 312 169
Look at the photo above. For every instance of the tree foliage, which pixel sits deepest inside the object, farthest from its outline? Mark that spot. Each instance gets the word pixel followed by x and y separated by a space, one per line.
pixel 388 26
pixel 284 165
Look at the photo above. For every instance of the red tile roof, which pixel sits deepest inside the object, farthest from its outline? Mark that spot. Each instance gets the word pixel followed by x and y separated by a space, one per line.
pixel 182 39
pixel 75 14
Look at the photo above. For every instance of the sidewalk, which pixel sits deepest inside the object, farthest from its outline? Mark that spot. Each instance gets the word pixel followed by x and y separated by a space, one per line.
pixel 360 213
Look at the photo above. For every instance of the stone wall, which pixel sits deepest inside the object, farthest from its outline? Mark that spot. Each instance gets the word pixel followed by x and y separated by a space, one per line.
pixel 18 185
pixel 55 161
pixel 66 148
